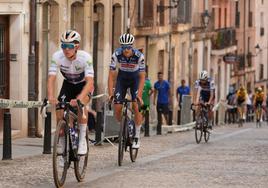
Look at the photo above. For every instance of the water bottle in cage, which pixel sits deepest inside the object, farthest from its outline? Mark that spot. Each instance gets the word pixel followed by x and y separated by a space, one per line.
pixel 131 128
pixel 74 138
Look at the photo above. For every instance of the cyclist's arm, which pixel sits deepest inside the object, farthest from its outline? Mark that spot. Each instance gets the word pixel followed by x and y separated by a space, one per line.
pixel 87 89
pixel 50 88
pixel 197 95
pixel 142 75
pixel 111 78
pixel 212 92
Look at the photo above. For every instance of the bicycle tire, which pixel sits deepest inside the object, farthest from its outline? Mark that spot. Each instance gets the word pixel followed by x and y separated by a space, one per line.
pixel 133 153
pixel 80 175
pixel 198 130
pixel 122 141
pixel 206 133
pixel 59 181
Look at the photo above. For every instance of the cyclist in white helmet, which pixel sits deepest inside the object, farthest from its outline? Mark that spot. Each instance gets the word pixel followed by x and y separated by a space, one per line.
pixel 77 69
pixel 205 93
pixel 131 75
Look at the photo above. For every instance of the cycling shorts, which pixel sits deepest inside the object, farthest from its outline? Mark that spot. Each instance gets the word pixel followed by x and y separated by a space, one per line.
pixel 122 84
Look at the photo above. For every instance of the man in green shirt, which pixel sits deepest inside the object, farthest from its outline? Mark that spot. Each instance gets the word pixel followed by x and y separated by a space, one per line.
pixel 147 92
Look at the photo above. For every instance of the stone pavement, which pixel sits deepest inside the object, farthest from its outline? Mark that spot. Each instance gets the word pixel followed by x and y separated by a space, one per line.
pixel 29 147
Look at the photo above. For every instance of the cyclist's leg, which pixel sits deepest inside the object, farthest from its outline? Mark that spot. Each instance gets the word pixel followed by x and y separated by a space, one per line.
pixel 137 115
pixel 119 95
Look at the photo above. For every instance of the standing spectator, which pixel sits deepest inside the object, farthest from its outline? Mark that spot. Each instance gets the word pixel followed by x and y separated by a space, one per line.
pixel 231 112
pixel 182 90
pixel 147 92
pixel 162 91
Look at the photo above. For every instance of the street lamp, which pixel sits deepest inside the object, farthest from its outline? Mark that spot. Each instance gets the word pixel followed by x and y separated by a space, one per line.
pixel 205 18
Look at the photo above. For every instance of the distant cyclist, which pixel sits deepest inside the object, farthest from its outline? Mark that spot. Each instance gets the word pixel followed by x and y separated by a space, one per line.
pixel 77 69
pixel 259 99
pixel 205 93
pixel 131 75
pixel 241 100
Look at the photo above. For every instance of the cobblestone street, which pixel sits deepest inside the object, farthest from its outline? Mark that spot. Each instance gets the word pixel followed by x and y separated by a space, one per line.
pixel 234 157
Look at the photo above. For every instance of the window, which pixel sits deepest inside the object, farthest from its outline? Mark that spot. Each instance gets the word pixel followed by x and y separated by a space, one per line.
pixel 145 13
pixel 261 71
pixel 237 15
pixel 184 11
pixel 162 14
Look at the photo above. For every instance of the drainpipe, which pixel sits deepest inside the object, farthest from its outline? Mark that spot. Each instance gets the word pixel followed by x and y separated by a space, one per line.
pixel 126 17
pixel 32 76
pixel 244 43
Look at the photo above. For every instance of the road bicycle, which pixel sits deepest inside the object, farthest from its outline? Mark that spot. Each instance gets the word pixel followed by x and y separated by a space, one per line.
pixel 258 113
pixel 127 133
pixel 240 110
pixel 68 130
pixel 201 123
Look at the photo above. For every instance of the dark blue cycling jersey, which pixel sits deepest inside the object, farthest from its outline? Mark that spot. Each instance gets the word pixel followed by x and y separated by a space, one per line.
pixel 205 89
pixel 128 74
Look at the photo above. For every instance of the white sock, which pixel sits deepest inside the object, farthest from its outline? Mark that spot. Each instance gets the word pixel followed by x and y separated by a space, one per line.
pixel 83 129
pixel 138 130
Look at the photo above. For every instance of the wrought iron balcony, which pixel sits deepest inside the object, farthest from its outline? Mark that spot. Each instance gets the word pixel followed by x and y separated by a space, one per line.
pixel 223 38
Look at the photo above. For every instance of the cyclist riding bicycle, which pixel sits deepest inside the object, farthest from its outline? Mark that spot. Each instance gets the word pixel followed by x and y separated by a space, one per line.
pixel 259 99
pixel 205 93
pixel 241 100
pixel 77 69
pixel 131 74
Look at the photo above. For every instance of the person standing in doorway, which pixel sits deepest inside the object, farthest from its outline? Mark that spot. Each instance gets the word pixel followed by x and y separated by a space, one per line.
pixel 163 93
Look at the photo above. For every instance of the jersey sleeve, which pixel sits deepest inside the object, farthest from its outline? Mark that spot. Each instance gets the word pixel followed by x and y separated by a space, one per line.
pixel 89 71
pixel 141 63
pixel 196 84
pixel 53 67
pixel 114 62
pixel 212 85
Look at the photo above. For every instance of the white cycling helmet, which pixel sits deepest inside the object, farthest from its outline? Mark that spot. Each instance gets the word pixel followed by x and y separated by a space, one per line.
pixel 70 36
pixel 203 75
pixel 126 39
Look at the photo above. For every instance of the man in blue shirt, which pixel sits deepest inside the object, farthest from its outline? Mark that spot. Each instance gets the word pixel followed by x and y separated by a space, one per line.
pixel 163 93
pixel 182 90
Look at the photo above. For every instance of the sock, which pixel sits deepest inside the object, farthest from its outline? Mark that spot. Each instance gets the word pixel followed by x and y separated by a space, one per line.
pixel 138 130
pixel 83 129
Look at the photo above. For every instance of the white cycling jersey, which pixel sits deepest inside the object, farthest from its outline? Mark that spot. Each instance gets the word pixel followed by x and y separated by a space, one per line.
pixel 73 71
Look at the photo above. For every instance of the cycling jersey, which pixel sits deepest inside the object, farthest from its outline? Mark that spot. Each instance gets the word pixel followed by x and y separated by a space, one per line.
pixel 205 89
pixel 241 95
pixel 128 75
pixel 73 71
pixel 128 66
pixel 259 96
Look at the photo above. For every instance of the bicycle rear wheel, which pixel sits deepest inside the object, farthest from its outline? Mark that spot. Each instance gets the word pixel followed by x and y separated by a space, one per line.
pixel 60 154
pixel 80 165
pixel 122 140
pixel 198 130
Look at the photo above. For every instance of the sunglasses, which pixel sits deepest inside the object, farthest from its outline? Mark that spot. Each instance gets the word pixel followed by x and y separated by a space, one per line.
pixel 67 45
pixel 126 47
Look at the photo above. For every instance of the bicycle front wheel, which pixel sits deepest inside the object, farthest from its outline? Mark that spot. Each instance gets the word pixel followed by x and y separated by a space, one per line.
pixel 80 165
pixel 122 140
pixel 198 131
pixel 60 154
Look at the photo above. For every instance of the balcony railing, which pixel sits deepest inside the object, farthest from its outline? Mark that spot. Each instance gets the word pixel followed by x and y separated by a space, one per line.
pixel 223 38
